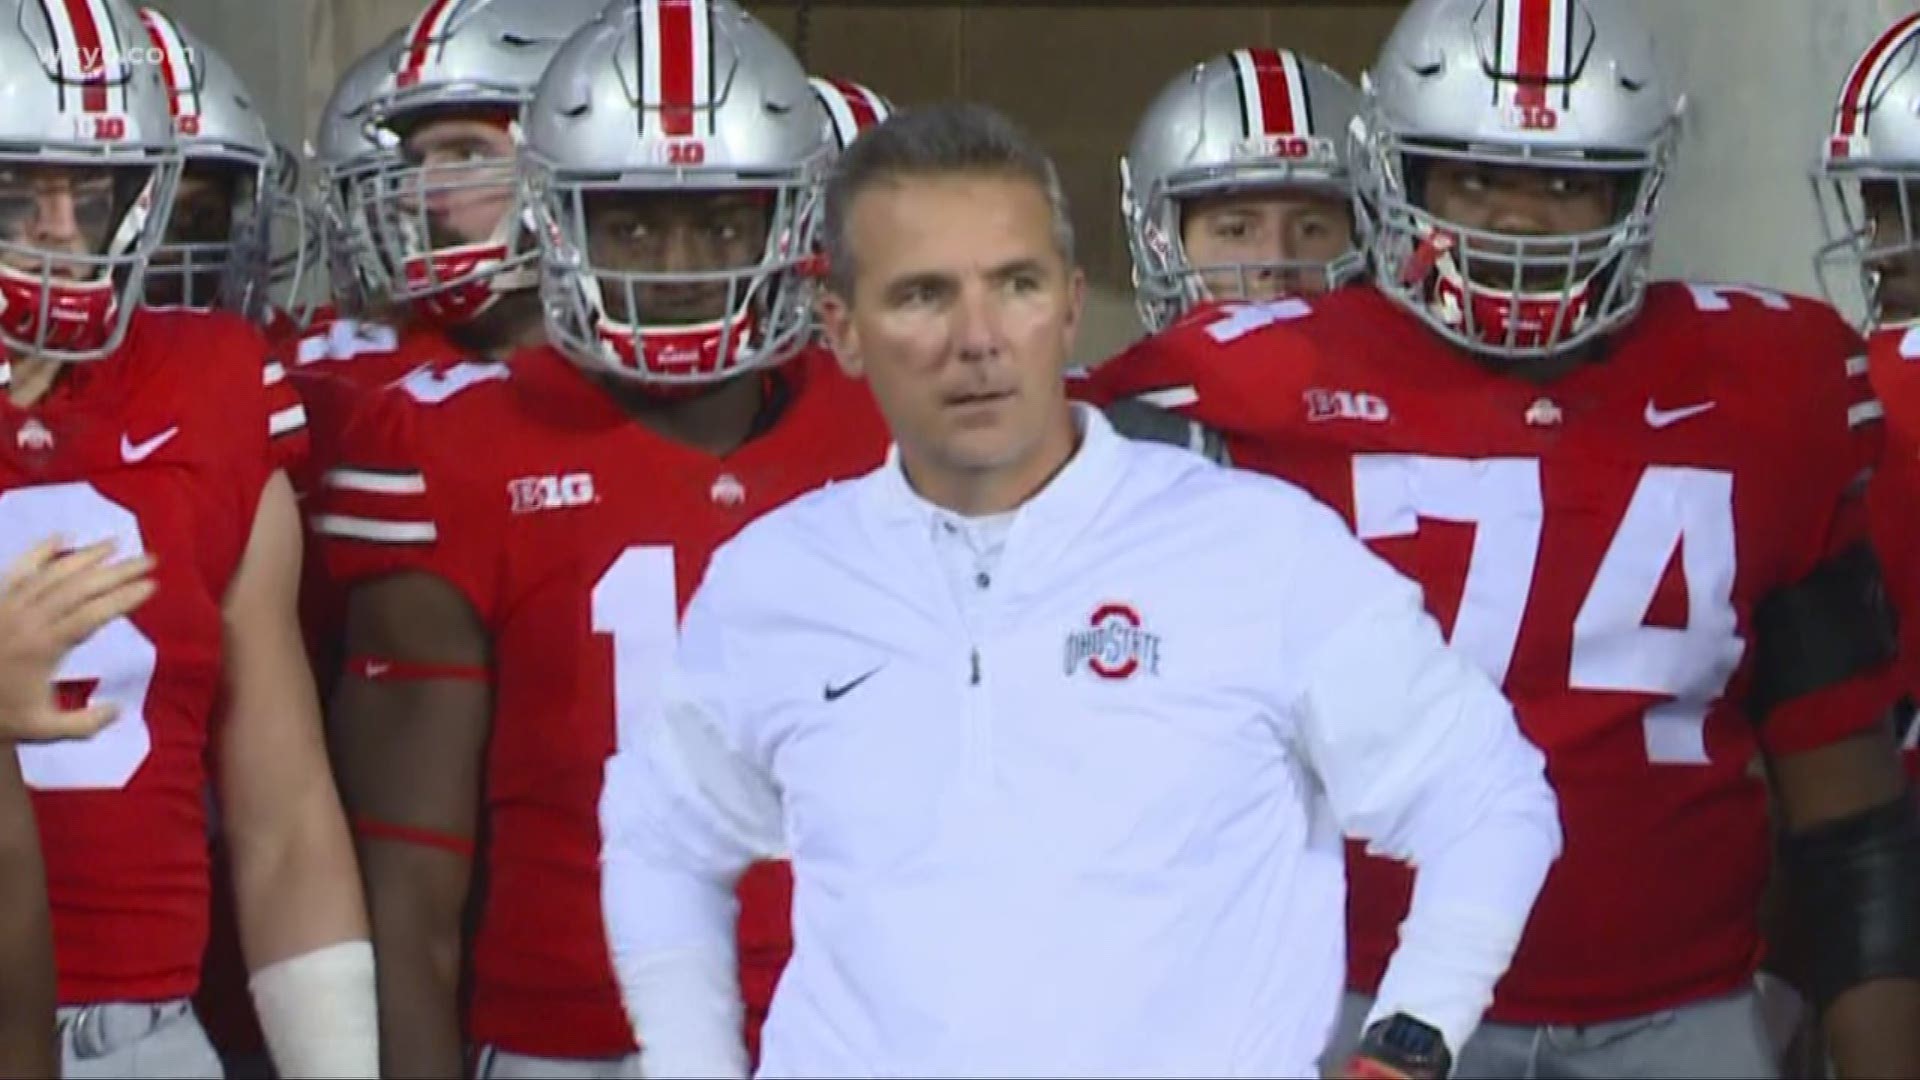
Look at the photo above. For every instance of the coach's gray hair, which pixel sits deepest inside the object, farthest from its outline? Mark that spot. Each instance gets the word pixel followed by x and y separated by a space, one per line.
pixel 949 139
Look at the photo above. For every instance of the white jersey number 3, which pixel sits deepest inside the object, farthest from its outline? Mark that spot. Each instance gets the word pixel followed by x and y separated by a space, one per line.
pixel 114 666
pixel 1613 648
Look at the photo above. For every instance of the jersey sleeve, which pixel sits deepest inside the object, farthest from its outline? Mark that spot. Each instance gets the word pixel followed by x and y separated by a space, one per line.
pixel 1893 498
pixel 1227 367
pixel 388 505
pixel 1841 448
pixel 287 435
pixel 236 361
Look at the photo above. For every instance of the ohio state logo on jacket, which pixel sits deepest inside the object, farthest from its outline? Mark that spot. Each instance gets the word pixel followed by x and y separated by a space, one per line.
pixel 1116 646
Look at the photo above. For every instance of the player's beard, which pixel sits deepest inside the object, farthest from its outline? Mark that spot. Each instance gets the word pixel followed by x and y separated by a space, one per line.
pixel 513 320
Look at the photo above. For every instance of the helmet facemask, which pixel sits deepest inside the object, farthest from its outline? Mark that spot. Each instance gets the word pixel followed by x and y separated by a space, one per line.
pixel 290 240
pixel 1508 295
pixel 1167 281
pixel 354 264
pixel 75 305
pixel 424 216
pixel 1868 212
pixel 214 253
pixel 744 303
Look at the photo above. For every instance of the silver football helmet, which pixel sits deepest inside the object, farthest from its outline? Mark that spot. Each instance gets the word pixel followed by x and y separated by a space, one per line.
pixel 1251 118
pixel 469 56
pixel 222 137
pixel 851 108
pixel 1549 84
pixel 669 96
pixel 1875 144
pixel 350 154
pixel 78 98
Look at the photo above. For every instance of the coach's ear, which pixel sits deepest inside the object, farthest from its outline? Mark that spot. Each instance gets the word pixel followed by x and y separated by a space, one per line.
pixel 1075 313
pixel 835 315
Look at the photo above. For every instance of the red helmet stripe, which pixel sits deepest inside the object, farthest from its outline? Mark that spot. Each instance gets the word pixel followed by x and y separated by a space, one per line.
pixel 1273 93
pixel 676 44
pixel 865 112
pixel 430 24
pixel 84 35
pixel 175 64
pixel 1856 98
pixel 1531 25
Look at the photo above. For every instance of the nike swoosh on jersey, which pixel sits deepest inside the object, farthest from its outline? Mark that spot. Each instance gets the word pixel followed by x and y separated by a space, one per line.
pixel 131 452
pixel 1659 418
pixel 835 693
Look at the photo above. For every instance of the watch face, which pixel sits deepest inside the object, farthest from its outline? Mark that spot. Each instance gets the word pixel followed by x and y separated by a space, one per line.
pixel 1411 1036
pixel 1415 1048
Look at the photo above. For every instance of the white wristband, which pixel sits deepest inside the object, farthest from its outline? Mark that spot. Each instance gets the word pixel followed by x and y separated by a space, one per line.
pixel 320 1012
pixel 685 1009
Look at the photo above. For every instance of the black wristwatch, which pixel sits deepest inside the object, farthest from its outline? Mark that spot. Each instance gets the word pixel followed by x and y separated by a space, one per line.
pixel 1409 1047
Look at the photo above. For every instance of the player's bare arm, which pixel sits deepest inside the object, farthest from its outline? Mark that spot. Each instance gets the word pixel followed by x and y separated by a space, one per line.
pixel 1850 853
pixel 303 924
pixel 27 1044
pixel 1853 870
pixel 50 602
pixel 410 749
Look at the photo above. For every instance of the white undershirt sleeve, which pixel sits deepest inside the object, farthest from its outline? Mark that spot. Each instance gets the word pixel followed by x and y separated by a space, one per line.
pixel 682 814
pixel 1422 758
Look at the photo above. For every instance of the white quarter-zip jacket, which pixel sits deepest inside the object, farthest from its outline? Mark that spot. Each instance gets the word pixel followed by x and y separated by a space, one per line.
pixel 1085 820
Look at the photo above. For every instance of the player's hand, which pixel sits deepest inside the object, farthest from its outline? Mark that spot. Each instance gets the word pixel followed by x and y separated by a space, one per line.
pixel 49 603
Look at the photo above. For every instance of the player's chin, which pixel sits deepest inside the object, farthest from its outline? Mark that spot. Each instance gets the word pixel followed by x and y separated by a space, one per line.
pixel 1899 298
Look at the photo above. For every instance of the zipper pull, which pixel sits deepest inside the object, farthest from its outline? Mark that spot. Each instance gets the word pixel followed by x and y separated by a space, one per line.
pixel 976 667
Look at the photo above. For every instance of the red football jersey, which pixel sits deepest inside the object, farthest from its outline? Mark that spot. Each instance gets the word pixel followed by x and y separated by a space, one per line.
pixel 165 448
pixel 1894 498
pixel 1599 544
pixel 336 362
pixel 576 534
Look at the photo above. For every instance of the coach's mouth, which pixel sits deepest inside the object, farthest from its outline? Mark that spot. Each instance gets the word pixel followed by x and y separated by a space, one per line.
pixel 977 398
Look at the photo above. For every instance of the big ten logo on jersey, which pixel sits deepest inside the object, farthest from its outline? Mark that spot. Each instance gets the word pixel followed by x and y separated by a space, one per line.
pixel 1238 319
pixel 532 494
pixel 1323 405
